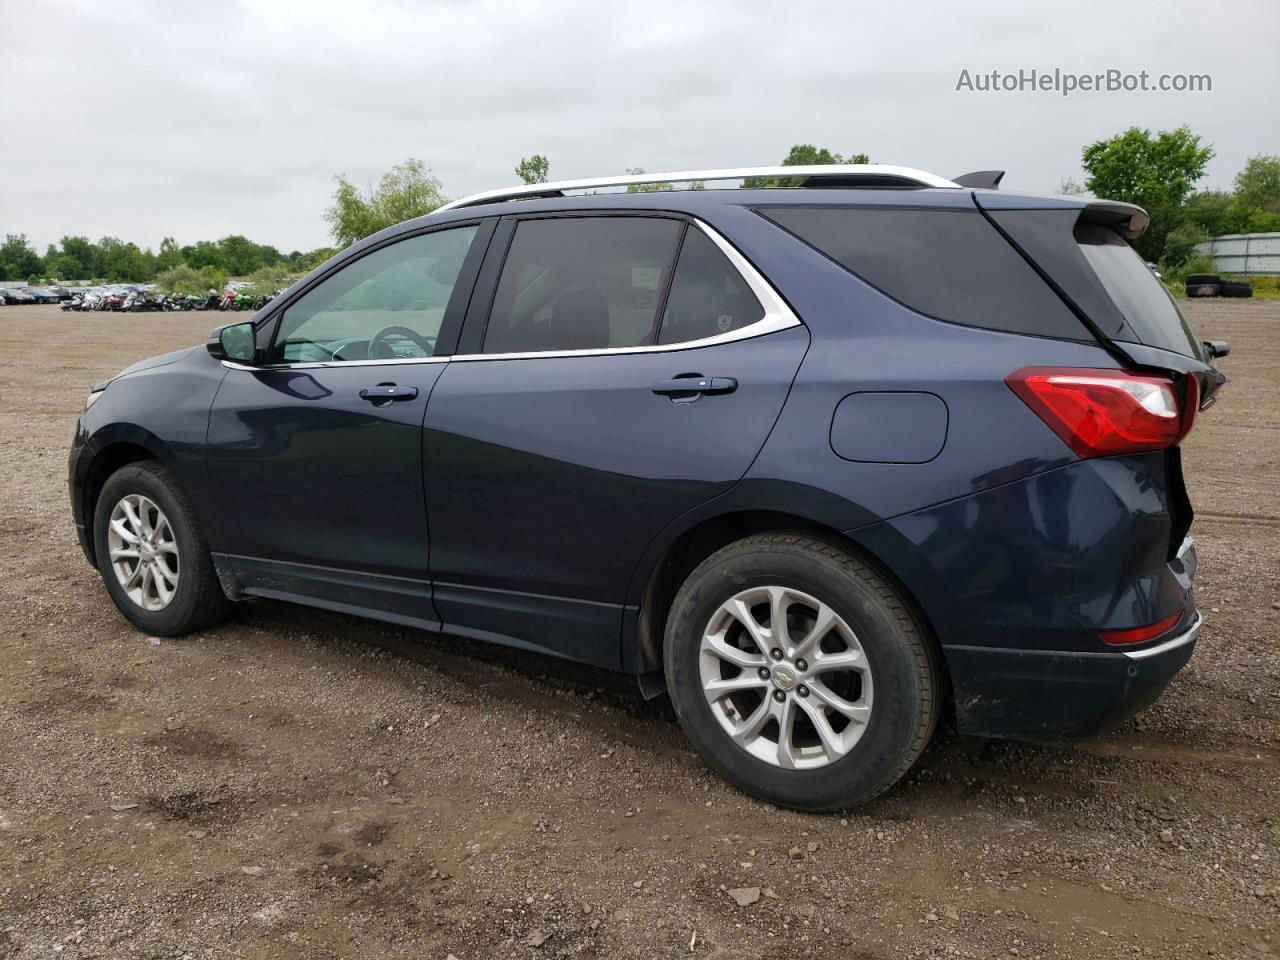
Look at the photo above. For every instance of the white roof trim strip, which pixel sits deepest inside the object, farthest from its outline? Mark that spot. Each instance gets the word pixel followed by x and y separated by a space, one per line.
pixel 530 190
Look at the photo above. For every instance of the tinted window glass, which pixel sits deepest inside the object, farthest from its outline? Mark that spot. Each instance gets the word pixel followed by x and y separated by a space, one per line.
pixel 581 283
pixel 1152 315
pixel 406 285
pixel 708 296
pixel 948 264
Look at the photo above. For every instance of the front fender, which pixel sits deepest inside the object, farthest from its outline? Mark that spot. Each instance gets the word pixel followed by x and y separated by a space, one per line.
pixel 159 412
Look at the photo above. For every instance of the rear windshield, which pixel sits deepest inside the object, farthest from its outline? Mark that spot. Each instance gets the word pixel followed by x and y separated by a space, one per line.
pixel 948 264
pixel 1150 312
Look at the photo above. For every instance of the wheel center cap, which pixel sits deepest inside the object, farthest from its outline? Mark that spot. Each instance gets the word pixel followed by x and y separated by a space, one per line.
pixel 145 552
pixel 784 677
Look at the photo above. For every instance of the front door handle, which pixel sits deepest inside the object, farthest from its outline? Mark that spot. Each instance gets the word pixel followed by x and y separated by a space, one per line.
pixel 387 392
pixel 695 385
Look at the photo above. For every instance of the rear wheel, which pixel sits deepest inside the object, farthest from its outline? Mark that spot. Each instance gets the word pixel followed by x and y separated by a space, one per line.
pixel 799 673
pixel 152 554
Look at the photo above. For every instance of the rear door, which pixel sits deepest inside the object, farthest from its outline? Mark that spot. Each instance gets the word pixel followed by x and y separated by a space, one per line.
pixel 622 370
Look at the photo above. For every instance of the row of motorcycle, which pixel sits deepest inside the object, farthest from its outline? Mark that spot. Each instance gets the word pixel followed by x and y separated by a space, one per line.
pixel 143 301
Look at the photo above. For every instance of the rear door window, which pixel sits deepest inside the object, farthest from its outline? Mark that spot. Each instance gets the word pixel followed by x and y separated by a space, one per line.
pixel 947 264
pixel 1153 317
pixel 708 296
pixel 582 283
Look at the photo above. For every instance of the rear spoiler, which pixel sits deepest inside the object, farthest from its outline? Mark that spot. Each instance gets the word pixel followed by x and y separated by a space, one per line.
pixel 1126 219
pixel 980 179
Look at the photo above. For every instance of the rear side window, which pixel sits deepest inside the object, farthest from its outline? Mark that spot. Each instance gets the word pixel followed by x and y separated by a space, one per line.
pixel 948 264
pixel 582 283
pixel 708 296
pixel 1148 309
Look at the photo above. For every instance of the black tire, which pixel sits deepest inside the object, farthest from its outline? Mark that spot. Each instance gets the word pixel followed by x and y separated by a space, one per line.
pixel 1233 288
pixel 902 660
pixel 1202 290
pixel 198 601
pixel 1195 279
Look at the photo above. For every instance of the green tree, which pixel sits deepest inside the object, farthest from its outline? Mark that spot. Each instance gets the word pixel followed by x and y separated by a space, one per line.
pixel 185 279
pixel 1157 173
pixel 1258 184
pixel 1214 211
pixel 408 190
pixel 122 262
pixel 18 259
pixel 169 256
pixel 85 256
pixel 267 280
pixel 1180 243
pixel 238 255
pixel 204 253
pixel 533 169
pixel 62 267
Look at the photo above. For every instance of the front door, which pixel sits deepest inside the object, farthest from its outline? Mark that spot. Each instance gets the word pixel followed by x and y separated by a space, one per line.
pixel 317 455
pixel 630 369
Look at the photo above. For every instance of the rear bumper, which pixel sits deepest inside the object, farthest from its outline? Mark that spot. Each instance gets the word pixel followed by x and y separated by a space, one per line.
pixel 1049 696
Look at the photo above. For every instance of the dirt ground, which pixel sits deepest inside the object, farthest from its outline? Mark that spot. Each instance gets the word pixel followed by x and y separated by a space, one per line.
pixel 301 784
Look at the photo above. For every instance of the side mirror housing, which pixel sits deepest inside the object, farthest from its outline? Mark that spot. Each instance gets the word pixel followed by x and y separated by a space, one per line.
pixel 236 342
pixel 1216 348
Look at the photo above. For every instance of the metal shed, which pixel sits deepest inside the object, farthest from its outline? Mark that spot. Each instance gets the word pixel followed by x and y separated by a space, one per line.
pixel 1244 252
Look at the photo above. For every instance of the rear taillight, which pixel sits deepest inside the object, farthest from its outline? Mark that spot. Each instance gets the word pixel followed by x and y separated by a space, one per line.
pixel 1099 413
pixel 1140 634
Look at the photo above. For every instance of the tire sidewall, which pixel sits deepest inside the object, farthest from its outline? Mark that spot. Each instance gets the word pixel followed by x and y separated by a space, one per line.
pixel 150 482
pixel 898 700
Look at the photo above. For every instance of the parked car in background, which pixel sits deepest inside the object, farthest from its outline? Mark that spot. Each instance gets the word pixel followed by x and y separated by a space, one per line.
pixel 42 294
pixel 16 296
pixel 822 463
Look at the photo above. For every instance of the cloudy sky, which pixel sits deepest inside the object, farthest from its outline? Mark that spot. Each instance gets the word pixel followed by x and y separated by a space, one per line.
pixel 201 119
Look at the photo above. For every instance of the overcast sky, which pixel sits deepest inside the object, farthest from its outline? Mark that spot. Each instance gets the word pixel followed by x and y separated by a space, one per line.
pixel 202 119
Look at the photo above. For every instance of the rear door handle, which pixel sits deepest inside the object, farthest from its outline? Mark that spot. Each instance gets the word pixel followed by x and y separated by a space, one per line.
pixel 387 392
pixel 695 384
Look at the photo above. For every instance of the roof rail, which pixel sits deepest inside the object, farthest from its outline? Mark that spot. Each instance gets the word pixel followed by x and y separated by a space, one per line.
pixel 843 175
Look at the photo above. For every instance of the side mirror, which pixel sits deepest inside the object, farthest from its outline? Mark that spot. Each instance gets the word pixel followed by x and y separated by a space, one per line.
pixel 236 342
pixel 1216 348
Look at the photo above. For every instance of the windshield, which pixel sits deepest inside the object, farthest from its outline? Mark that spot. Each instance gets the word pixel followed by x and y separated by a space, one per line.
pixel 1146 305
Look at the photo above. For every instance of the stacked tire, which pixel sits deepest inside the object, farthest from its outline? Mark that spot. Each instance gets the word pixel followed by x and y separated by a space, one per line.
pixel 1212 285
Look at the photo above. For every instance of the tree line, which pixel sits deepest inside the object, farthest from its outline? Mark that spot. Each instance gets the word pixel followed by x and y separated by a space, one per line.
pixel 113 260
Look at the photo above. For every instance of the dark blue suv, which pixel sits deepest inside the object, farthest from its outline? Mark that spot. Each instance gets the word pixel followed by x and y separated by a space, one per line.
pixel 822 457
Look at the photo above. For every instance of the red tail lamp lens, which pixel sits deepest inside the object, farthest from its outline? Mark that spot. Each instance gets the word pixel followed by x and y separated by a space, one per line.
pixel 1099 413
pixel 1140 634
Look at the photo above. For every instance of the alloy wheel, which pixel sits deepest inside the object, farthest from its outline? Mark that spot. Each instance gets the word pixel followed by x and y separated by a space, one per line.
pixel 143 552
pixel 785 677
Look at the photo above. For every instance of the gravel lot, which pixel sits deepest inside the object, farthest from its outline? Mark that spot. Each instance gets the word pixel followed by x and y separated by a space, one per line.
pixel 300 784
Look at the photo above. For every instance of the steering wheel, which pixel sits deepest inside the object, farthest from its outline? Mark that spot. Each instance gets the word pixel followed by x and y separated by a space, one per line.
pixel 379 350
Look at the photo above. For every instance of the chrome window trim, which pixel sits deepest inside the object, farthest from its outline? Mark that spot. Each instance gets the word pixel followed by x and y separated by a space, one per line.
pixel 536 190
pixel 777 316
pixel 336 364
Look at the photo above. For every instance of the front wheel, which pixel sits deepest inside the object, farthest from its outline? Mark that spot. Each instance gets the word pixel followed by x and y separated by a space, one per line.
pixel 152 554
pixel 799 673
